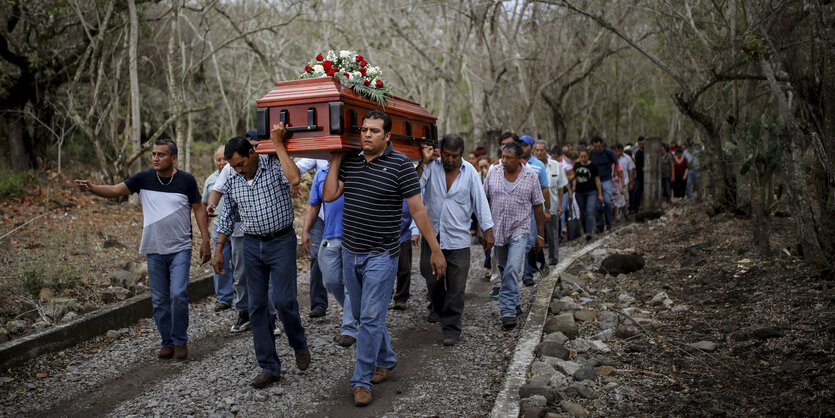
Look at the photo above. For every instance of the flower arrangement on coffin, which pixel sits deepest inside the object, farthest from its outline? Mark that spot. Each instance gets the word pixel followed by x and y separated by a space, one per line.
pixel 352 70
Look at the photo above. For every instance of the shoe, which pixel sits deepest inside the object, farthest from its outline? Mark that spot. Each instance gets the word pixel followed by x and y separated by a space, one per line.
pixel 346 341
pixel 180 352
pixel 432 317
pixel 263 380
pixel 222 306
pixel 487 274
pixel 243 322
pixel 588 237
pixel 518 311
pixel 317 313
pixel 303 359
pixel 528 282
pixel 276 328
pixel 380 374
pixel 508 322
pixel 362 396
pixel 494 293
pixel 450 341
pixel 166 352
pixel 400 305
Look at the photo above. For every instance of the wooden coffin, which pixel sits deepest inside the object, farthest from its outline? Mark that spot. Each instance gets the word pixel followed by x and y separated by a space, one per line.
pixel 323 116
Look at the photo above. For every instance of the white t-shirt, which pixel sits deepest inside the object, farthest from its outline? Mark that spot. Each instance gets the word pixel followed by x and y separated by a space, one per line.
pixel 627 164
pixel 556 180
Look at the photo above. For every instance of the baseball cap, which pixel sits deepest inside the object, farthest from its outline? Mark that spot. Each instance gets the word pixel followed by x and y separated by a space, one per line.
pixel 526 139
pixel 252 135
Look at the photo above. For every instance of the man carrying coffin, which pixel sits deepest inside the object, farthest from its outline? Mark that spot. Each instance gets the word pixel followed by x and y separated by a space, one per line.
pixel 375 181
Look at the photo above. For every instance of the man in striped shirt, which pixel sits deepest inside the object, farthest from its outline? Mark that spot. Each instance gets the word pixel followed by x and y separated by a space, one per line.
pixel 513 190
pixel 375 181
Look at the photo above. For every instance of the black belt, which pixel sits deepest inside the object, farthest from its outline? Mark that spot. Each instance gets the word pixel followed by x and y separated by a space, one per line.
pixel 270 237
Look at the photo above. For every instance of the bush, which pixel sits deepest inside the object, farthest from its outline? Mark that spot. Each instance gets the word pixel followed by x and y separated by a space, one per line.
pixel 42 274
pixel 13 184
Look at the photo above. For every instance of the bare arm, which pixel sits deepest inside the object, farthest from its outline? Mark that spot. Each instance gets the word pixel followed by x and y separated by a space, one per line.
pixel 309 219
pixel 277 135
pixel 103 190
pixel 333 188
pixel 203 224
pixel 539 215
pixel 599 189
pixel 423 223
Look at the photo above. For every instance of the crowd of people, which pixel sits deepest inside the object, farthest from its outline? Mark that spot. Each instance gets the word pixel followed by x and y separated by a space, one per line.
pixel 366 211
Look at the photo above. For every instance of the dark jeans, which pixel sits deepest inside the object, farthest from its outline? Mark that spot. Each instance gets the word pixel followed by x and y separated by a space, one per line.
pixel 447 294
pixel 272 262
pixel 587 201
pixel 635 195
pixel 318 293
pixel 666 182
pixel 404 272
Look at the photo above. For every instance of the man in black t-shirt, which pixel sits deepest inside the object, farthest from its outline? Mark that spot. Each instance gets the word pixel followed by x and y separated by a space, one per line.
pixel 375 181
pixel 167 195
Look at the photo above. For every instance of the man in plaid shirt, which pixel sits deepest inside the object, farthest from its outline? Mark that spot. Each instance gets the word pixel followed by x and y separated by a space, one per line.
pixel 513 191
pixel 259 194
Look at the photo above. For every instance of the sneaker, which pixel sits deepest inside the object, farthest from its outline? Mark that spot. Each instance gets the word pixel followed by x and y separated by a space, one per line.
pixel 242 324
pixel 180 352
pixel 528 282
pixel 494 293
pixel 346 341
pixel 588 237
pixel 449 341
pixel 317 313
pixel 362 396
pixel 508 322
pixel 222 306
pixel 400 305
pixel 166 352
pixel 433 317
pixel 263 380
pixel 303 359
pixel 276 328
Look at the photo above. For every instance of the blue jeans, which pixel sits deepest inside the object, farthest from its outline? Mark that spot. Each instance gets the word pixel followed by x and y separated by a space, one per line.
pixel 587 201
pixel 605 207
pixel 509 256
pixel 318 293
pixel 692 183
pixel 369 280
pixel 242 299
pixel 272 262
pixel 223 282
pixel 330 262
pixel 528 272
pixel 564 209
pixel 666 185
pixel 168 281
pixel 636 194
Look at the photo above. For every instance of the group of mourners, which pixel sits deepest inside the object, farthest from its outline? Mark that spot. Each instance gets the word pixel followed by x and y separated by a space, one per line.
pixel 366 210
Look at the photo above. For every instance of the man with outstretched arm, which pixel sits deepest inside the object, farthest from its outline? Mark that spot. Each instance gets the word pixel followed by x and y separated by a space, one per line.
pixel 259 194
pixel 375 181
pixel 167 196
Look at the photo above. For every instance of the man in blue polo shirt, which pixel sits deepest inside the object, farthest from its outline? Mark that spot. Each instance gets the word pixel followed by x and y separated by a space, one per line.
pixel 167 195
pixel 374 182
pixel 542 174
pixel 603 158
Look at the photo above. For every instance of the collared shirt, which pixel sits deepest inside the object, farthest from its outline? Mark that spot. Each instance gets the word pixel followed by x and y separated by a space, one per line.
pixel 215 182
pixel 450 211
pixel 207 187
pixel 538 168
pixel 374 192
pixel 263 204
pixel 407 224
pixel 332 211
pixel 512 210
pixel 627 164
pixel 557 179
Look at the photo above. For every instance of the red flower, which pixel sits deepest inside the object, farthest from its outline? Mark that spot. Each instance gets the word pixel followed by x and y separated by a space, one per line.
pixel 320 57
pixel 380 83
pixel 366 82
pixel 336 70
pixel 347 75
pixel 359 58
pixel 363 63
pixel 307 68
pixel 327 65
pixel 362 71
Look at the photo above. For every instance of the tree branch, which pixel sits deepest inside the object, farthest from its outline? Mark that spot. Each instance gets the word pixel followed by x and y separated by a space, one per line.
pixel 150 142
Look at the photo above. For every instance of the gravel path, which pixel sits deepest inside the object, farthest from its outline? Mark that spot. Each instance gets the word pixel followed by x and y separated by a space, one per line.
pixel 123 377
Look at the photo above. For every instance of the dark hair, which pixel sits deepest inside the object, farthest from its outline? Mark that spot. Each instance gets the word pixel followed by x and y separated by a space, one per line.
pixel 509 135
pixel 595 139
pixel 379 114
pixel 618 146
pixel 452 142
pixel 479 151
pixel 582 151
pixel 172 146
pixel 641 138
pixel 665 148
pixel 238 145
pixel 556 149
pixel 582 144
pixel 514 147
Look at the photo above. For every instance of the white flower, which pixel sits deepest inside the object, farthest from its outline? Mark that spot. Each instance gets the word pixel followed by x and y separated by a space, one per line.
pixel 356 74
pixel 374 70
pixel 318 68
pixel 331 56
pixel 344 54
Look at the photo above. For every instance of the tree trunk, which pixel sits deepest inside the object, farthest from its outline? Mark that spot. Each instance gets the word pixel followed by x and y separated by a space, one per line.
pixel 175 80
pixel 12 142
pixel 135 115
pixel 652 175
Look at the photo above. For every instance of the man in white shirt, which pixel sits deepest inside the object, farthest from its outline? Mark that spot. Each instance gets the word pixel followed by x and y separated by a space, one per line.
pixel 628 170
pixel 557 180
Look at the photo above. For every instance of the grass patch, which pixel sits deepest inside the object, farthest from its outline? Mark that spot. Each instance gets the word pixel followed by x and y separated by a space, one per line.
pixel 14 183
pixel 42 274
